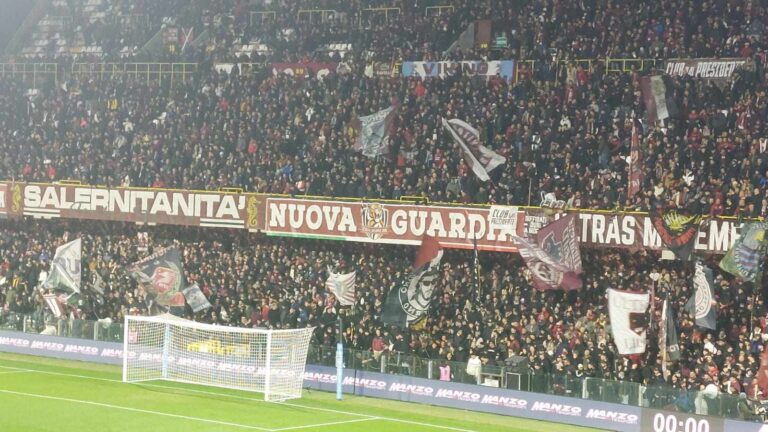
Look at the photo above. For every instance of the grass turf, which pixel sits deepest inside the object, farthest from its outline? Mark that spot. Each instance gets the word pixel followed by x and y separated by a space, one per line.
pixel 41 394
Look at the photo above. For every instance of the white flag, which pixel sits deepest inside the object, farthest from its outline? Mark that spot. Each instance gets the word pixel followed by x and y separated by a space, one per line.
pixel 480 159
pixel 342 286
pixel 65 268
pixel 373 132
pixel 629 318
pixel 195 298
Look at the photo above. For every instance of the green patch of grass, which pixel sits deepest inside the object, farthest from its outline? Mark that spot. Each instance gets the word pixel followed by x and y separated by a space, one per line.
pixel 42 394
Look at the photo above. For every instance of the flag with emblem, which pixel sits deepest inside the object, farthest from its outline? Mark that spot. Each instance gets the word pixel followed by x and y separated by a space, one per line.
pixel 195 298
pixel 162 276
pixel 677 229
pixel 409 301
pixel 554 259
pixel 342 285
pixel 744 257
pixel 703 305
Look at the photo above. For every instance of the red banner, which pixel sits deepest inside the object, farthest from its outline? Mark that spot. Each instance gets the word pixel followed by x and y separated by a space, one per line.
pixel 395 223
pixel 453 227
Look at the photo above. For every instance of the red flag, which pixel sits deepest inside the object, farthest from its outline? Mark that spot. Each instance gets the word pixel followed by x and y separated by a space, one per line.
pixel 554 259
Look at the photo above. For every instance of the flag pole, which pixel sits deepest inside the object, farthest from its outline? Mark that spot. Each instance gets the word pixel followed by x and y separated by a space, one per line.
pixel 339 359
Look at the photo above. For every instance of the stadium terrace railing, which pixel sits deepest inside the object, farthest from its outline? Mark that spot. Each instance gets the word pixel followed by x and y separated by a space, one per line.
pixel 508 376
pixel 153 72
pixel 31 73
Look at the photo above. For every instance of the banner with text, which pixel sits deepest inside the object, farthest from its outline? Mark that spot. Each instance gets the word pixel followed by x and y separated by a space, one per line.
pixel 143 206
pixel 443 69
pixel 635 231
pixel 406 224
pixel 716 69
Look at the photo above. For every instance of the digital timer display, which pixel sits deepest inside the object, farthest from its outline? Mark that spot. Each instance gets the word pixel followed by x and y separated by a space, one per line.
pixel 668 421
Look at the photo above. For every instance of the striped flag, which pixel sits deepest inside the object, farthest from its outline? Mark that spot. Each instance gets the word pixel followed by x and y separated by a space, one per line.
pixel 342 286
pixel 55 304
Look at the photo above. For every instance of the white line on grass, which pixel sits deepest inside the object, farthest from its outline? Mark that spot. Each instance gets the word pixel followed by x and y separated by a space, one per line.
pixel 143 411
pixel 13 372
pixel 325 424
pixel 366 416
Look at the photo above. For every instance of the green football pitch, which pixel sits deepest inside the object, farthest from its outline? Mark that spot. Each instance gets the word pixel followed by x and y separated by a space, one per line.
pixel 40 394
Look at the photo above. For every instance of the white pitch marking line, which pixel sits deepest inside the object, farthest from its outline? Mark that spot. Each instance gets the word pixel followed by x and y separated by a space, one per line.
pixel 325 424
pixel 248 398
pixel 143 411
pixel 13 372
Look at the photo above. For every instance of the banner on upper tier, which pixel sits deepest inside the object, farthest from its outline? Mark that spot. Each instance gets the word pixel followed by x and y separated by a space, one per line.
pixel 142 206
pixel 443 69
pixel 715 69
pixel 317 70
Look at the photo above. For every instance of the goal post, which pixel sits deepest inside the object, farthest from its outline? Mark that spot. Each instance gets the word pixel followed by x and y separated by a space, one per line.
pixel 169 348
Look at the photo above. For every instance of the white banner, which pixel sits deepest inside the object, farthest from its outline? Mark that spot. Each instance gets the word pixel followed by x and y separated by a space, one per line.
pixel 442 69
pixel 629 320
pixel 503 218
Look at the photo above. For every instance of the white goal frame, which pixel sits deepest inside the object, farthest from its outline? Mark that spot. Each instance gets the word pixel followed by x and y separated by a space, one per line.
pixel 170 348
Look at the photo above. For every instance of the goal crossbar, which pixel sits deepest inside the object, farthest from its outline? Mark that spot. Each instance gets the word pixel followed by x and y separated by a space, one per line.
pixel 169 348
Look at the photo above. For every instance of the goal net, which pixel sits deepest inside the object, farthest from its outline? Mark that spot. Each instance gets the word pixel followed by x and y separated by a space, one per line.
pixel 166 347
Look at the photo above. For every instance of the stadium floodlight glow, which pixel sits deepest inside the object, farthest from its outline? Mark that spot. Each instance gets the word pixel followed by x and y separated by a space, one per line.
pixel 169 348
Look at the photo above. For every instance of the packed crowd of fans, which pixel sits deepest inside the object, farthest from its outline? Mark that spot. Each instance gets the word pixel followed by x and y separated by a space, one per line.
pixel 263 282
pixel 283 134
pixel 564 129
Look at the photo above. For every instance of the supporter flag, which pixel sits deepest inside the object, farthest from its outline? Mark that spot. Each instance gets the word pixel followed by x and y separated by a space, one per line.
pixel 373 132
pixel 628 313
pixel 98 283
pixel 409 302
pixel 195 298
pixel 678 230
pixel 635 160
pixel 162 276
pixel 65 271
pixel 55 304
pixel 744 257
pixel 342 286
pixel 554 259
pixel 466 40
pixel 657 98
pixel 480 159
pixel 703 305
pixel 668 342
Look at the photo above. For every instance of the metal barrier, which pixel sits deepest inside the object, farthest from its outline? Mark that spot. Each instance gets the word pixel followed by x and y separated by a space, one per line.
pixel 153 72
pixel 370 13
pixel 31 73
pixel 396 363
pixel 263 16
pixel 319 15
pixel 438 10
